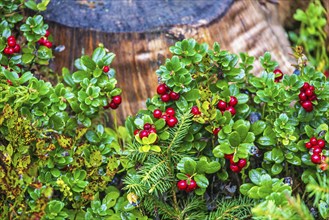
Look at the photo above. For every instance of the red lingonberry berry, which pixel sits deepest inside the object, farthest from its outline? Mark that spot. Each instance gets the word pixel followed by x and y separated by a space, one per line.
pixel 147 126
pixel 317 149
pixel 165 117
pixel 165 98
pixel 152 130
pixel 315 158
pixel 305 86
pixel 47 33
pixel 42 41
pixel 182 185
pixel 117 99
pixel 231 110
pixel 278 75
pixel 174 96
pixel 242 163
pixel 170 111
pixel 308 93
pixel 308 145
pixel 195 110
pixel 192 186
pixel 233 101
pixel 321 143
pixel 10 50
pixel 11 43
pixel 228 156
pixel 172 121
pixel 48 44
pixel 302 96
pixel 216 131
pixel 10 38
pixel 157 113
pixel 162 89
pixel 235 168
pixel 313 97
pixel 17 48
pixel 136 131
pixel 113 105
pixel 312 88
pixel 106 69
pixel 9 82
pixel 313 141
pixel 6 50
pixel 143 133
pixel 221 105
pixel 308 106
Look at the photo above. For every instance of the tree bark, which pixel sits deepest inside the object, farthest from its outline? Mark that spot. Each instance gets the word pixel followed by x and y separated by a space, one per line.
pixel 248 26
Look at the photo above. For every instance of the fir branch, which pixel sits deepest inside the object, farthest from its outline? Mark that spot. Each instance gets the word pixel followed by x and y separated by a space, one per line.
pixel 156 207
pixel 132 184
pixel 156 175
pixel 178 133
pixel 234 208
pixel 193 209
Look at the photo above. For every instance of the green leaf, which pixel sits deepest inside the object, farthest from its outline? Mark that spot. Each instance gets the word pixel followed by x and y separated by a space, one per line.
pixel 98 54
pixel 190 166
pixel 25 77
pixel 213 167
pixel 55 172
pixel 80 75
pixel 155 148
pixel 276 169
pixel 67 77
pixel 255 176
pixel 234 139
pixel 258 127
pixel 266 141
pixel 192 95
pixel 159 124
pixel 201 181
pixel 27 58
pixel 92 137
pixel 242 98
pixel 88 62
pixel 244 188
pixel 182 104
pixel 309 131
pixel 31 5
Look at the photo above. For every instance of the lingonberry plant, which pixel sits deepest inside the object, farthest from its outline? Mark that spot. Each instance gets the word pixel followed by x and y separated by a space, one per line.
pixel 56 160
pixel 232 129
pixel 215 142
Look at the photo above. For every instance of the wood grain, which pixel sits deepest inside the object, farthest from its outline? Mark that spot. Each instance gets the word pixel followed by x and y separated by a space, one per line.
pixel 249 26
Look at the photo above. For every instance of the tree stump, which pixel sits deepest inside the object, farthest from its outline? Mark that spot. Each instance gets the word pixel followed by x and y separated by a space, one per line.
pixel 141 41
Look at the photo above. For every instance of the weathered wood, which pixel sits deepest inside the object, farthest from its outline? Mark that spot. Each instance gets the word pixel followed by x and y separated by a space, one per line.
pixel 248 26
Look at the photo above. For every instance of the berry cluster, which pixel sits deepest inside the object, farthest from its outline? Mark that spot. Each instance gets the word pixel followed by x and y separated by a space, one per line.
pixel 148 129
pixel 115 102
pixel 223 106
pixel 316 145
pixel 44 40
pixel 278 75
pixel 12 47
pixel 306 96
pixel 166 94
pixel 168 116
pixel 183 185
pixel 106 69
pixel 236 166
